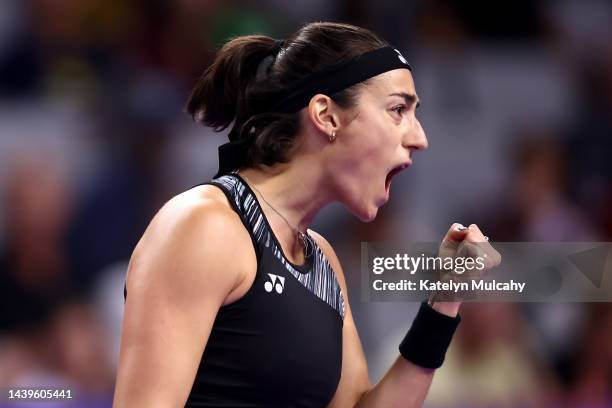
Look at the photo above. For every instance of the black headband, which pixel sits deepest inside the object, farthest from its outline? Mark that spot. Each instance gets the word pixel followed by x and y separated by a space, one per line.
pixel 329 80
pixel 341 76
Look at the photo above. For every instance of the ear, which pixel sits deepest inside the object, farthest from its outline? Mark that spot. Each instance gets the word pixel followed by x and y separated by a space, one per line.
pixel 323 113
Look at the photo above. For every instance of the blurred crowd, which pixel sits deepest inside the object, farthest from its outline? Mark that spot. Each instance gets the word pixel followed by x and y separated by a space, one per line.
pixel 516 103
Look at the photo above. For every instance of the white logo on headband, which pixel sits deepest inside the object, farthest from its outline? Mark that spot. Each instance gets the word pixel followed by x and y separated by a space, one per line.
pixel 400 56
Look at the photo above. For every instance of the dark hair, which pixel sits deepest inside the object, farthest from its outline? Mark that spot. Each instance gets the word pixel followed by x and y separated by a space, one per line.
pixel 240 88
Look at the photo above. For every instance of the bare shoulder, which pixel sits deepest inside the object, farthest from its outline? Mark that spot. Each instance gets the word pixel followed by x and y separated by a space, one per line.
pixel 195 238
pixel 188 263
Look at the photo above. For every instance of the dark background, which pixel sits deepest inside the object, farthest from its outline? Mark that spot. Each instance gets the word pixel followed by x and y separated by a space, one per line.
pixel 517 105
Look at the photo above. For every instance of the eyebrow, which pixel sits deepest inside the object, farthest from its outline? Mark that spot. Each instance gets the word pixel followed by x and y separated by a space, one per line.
pixel 409 98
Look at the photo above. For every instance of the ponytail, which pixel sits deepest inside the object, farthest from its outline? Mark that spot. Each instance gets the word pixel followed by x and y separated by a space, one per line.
pixel 219 96
pixel 241 89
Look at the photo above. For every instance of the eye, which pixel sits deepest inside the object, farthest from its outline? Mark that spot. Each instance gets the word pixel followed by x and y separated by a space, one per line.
pixel 400 109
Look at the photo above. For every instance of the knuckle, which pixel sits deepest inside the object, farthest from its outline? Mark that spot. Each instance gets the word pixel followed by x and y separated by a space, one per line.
pixel 454 226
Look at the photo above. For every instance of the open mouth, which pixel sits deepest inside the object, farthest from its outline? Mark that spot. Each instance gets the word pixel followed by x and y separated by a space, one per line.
pixel 393 172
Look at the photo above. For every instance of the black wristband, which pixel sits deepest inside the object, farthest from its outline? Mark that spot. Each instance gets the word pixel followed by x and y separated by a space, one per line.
pixel 426 342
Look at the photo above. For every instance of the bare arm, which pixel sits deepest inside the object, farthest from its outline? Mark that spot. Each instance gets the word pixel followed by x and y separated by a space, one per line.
pixel 405 384
pixel 178 277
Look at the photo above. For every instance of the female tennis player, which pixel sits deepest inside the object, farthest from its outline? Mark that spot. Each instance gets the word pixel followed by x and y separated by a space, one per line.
pixel 231 300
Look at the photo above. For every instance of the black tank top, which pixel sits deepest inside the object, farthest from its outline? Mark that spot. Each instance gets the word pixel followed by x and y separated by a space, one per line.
pixel 280 345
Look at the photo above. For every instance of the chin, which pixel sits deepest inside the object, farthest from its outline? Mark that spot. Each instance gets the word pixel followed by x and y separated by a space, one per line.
pixel 367 214
pixel 371 217
pixel 364 210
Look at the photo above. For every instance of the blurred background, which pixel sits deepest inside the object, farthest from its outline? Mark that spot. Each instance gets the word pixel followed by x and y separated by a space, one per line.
pixel 516 103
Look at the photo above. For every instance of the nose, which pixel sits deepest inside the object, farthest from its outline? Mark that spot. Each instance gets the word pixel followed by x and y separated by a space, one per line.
pixel 415 137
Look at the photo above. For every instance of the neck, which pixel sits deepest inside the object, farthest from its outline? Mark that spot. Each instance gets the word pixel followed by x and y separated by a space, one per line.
pixel 290 189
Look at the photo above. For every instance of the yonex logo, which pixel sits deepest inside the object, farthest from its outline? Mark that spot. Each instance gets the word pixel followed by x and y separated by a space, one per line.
pixel 400 56
pixel 276 282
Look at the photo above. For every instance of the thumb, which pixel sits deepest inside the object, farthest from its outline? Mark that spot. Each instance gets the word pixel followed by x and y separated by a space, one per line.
pixel 455 235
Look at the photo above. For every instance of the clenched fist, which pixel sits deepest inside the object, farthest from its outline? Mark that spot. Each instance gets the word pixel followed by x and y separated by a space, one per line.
pixel 466 242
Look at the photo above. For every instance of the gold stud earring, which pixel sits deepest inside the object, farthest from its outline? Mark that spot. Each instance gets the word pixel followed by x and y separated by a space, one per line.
pixel 332 137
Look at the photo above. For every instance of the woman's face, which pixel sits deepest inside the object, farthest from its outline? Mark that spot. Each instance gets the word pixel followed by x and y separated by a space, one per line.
pixel 377 142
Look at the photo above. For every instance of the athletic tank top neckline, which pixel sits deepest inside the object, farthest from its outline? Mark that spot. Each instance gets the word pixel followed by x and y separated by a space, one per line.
pixel 303 268
pixel 279 345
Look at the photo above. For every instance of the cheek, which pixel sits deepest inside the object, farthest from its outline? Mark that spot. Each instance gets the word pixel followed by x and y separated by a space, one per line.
pixel 369 134
pixel 362 168
pixel 368 155
pixel 375 149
